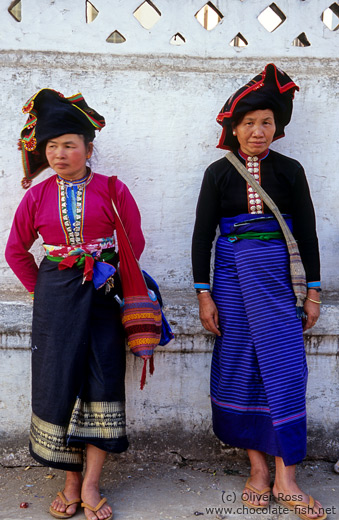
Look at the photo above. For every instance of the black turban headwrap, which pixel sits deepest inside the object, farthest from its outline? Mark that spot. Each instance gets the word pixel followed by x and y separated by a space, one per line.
pixel 51 115
pixel 272 89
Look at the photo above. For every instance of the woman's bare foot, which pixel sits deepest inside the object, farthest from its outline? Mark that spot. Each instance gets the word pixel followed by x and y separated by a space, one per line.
pixel 261 482
pixel 259 479
pixel 286 488
pixel 71 492
pixel 294 494
pixel 90 495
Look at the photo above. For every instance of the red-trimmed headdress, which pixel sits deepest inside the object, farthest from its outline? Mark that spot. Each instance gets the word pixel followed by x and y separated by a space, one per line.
pixel 272 89
pixel 51 115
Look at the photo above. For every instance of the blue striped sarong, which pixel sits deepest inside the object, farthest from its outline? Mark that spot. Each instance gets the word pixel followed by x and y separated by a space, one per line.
pixel 259 371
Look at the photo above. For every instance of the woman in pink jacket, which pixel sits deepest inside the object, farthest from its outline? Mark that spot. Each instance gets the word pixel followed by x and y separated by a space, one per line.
pixel 78 347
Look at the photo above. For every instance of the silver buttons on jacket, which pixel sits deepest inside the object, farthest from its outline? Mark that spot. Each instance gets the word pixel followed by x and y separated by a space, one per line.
pixel 255 205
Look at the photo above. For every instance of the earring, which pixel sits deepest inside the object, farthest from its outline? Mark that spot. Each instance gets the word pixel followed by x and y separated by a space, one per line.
pixel 234 132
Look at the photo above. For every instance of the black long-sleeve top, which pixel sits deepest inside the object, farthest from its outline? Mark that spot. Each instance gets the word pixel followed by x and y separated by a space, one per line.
pixel 224 194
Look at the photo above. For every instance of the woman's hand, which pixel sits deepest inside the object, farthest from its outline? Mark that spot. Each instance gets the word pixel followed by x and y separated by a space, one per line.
pixel 311 309
pixel 208 313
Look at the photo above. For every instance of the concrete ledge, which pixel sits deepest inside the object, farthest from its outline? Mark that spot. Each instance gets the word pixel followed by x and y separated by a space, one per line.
pixel 181 309
pixel 87 61
pixel 175 402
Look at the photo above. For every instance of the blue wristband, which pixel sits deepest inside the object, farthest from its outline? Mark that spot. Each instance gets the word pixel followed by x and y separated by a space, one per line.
pixel 202 286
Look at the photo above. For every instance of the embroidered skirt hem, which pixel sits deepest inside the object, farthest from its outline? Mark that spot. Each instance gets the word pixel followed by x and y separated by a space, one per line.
pixel 78 369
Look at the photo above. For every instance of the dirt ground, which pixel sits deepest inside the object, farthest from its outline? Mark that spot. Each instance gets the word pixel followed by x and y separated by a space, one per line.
pixel 156 490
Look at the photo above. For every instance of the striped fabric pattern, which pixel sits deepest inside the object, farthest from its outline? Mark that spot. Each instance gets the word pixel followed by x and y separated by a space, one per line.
pixel 259 371
pixel 142 321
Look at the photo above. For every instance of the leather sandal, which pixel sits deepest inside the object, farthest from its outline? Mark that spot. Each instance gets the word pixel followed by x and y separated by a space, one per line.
pixel 60 514
pixel 300 508
pixel 96 508
pixel 265 491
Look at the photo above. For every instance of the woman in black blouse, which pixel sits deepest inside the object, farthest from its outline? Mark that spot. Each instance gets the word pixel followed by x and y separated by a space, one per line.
pixel 259 371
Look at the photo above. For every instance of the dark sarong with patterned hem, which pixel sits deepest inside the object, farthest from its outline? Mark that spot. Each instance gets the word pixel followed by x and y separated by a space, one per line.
pixel 259 371
pixel 78 369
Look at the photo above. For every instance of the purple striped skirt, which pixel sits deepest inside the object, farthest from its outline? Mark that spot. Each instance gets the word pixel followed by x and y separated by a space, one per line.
pixel 259 371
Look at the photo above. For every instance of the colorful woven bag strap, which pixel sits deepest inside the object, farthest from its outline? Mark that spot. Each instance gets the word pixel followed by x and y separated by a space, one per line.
pixel 132 280
pixel 297 270
pixel 112 188
pixel 134 289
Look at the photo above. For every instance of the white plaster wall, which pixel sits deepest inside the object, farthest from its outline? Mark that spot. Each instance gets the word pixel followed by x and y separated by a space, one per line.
pixel 161 135
pixel 160 103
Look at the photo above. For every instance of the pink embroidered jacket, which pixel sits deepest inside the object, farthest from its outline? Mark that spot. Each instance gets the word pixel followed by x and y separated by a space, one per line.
pixel 40 213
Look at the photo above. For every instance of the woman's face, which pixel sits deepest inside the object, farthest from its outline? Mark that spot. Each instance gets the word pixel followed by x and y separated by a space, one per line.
pixel 256 131
pixel 67 155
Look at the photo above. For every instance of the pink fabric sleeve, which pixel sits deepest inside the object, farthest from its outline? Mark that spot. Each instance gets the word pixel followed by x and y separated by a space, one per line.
pixel 20 240
pixel 130 216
